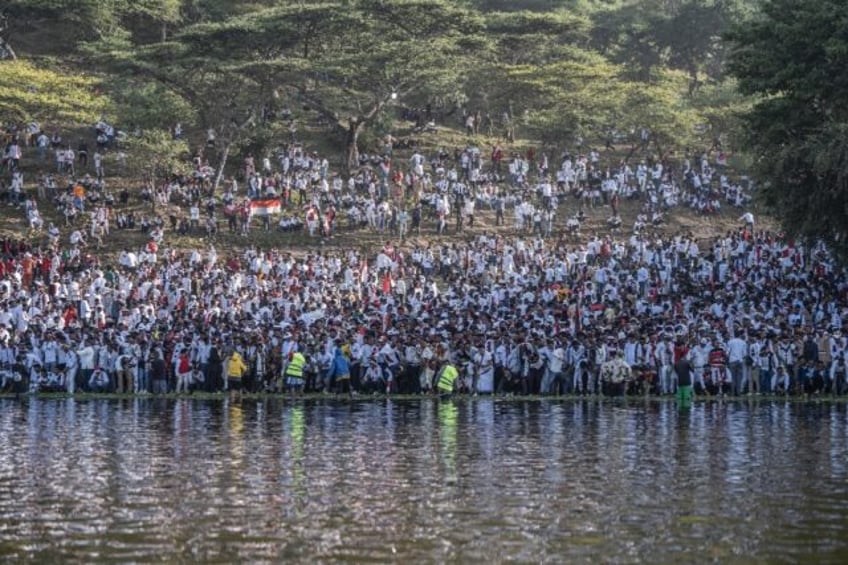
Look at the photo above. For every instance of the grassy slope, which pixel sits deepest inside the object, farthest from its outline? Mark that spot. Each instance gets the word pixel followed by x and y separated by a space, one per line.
pixel 13 223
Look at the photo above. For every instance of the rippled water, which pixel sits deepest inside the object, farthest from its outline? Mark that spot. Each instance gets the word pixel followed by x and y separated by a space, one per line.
pixel 422 481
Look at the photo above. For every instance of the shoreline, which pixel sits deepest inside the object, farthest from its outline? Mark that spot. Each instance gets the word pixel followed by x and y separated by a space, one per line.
pixel 344 399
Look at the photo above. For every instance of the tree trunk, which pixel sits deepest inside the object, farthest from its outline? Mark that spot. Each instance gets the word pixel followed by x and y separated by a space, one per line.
pixel 660 155
pixel 351 144
pixel 151 185
pixel 694 83
pixel 164 31
pixel 222 162
pixel 6 51
pixel 633 148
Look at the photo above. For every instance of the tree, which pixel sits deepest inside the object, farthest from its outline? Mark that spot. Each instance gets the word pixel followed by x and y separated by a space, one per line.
pixel 531 60
pixel 72 23
pixel 161 13
pixel 345 61
pixel 662 107
pixel 224 99
pixel 79 20
pixel 532 38
pixel 573 97
pixel 562 91
pixel 349 61
pixel 6 50
pixel 155 154
pixel 686 35
pixel 793 57
pixel 625 35
pixel 144 105
pixel 722 106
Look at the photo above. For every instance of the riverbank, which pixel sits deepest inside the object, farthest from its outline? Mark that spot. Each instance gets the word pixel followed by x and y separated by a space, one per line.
pixel 801 399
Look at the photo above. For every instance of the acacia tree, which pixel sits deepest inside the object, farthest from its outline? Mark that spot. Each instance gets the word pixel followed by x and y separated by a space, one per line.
pixel 543 72
pixel 348 60
pixel 572 98
pixel 154 154
pixel 685 35
pixel 82 21
pixel 662 107
pixel 793 56
pixel 224 99
pixel 535 74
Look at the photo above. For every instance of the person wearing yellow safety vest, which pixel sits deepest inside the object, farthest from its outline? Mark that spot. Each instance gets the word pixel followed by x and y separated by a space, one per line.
pixel 235 371
pixel 294 372
pixel 446 380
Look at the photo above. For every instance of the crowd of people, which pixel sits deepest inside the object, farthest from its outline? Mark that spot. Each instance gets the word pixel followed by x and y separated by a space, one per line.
pixel 542 310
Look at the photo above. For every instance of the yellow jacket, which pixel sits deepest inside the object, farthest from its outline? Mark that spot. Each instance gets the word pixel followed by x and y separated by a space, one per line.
pixel 236 366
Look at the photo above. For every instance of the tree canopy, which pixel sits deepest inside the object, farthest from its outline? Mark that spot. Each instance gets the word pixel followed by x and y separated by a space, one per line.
pixel 344 60
pixel 793 56
pixel 558 70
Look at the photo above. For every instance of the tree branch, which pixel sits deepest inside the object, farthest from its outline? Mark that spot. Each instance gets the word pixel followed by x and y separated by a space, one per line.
pixel 320 107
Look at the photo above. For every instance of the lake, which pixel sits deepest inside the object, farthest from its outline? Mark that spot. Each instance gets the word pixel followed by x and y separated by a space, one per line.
pixel 422 481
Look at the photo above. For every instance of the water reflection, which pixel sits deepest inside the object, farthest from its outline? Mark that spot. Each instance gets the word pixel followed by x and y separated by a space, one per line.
pixel 460 480
pixel 448 416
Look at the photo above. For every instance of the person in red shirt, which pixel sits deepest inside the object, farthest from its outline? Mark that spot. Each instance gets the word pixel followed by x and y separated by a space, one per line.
pixel 717 360
pixel 680 350
pixel 46 267
pixel 28 267
pixel 497 157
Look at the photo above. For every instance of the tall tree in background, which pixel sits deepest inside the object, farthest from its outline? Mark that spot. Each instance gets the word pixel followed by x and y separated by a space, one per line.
pixel 79 21
pixel 560 92
pixel 794 57
pixel 684 35
pixel 224 100
pixel 356 58
pixel 344 60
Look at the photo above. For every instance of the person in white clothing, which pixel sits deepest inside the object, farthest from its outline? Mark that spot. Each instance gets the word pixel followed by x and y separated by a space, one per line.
pixel 737 353
pixel 748 219
pixel 484 363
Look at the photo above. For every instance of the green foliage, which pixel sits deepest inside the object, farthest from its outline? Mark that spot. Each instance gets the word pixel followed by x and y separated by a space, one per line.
pixel 158 10
pixel 582 95
pixel 155 154
pixel 722 106
pixel 661 106
pixel 526 5
pixel 646 35
pixel 344 60
pixel 533 39
pixel 571 98
pixel 150 105
pixel 28 92
pixel 89 19
pixel 557 69
pixel 793 56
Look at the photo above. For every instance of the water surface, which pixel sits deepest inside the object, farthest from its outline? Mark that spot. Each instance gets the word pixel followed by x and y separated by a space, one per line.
pixel 422 481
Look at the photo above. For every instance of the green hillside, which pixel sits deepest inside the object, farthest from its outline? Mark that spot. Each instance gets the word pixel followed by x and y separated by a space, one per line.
pixel 635 79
